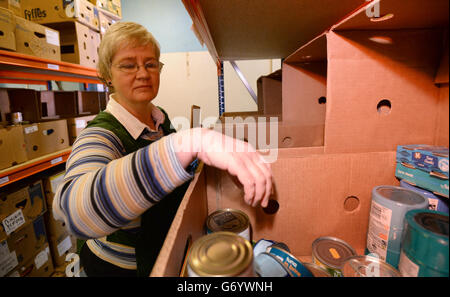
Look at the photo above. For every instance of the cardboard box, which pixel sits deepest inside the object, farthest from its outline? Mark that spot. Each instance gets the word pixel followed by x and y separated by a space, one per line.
pixel 37 40
pixel 45 138
pixel 51 184
pixel 106 20
pixel 114 7
pixel 423 179
pixel 12 147
pixel 88 102
pixel 79 43
pixel 269 93
pixel 58 104
pixel 57 11
pixel 7 27
pixel 12 5
pixel 20 207
pixel 76 125
pixel 61 246
pixel 4 107
pixel 429 158
pixel 104 98
pixel 318 195
pixel 22 245
pixel 39 266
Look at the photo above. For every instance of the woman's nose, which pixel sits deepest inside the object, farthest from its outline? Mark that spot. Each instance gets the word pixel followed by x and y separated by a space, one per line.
pixel 142 72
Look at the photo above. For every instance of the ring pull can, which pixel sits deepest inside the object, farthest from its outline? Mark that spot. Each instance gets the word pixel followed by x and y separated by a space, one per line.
pixel 231 220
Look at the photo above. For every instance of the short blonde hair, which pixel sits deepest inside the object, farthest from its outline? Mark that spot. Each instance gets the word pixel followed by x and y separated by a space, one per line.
pixel 119 33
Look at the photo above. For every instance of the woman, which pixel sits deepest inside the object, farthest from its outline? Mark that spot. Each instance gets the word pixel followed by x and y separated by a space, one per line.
pixel 129 169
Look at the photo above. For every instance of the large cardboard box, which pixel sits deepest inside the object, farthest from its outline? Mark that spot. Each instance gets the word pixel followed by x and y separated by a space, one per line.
pixel 88 102
pixel 12 5
pixel 76 125
pixel 12 147
pixel 106 20
pixel 79 43
pixel 4 107
pixel 40 265
pixel 7 27
pixel 37 40
pixel 22 245
pixel 269 93
pixel 45 138
pixel 20 207
pixel 58 104
pixel 51 184
pixel 57 11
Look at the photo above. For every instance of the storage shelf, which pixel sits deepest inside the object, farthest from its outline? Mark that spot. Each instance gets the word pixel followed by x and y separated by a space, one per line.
pixel 31 167
pixel 21 68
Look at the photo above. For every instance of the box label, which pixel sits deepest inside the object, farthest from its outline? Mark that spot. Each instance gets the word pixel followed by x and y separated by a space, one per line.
pixel 41 258
pixel 52 37
pixel 56 160
pixel 31 129
pixel 4 180
pixel 64 246
pixel 8 263
pixel 53 66
pixel 13 222
pixel 80 124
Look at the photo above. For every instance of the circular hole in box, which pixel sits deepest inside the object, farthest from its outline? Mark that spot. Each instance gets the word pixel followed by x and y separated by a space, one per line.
pixel 287 141
pixel 384 107
pixel 351 203
pixel 272 207
pixel 322 100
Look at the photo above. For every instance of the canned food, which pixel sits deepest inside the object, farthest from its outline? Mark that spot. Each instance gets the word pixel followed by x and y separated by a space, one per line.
pixel 367 266
pixel 231 220
pixel 330 253
pixel 221 254
pixel 296 267
pixel 263 244
pixel 267 265
pixel 316 270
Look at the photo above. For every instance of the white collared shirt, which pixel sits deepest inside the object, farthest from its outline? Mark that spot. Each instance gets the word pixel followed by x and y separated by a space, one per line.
pixel 132 124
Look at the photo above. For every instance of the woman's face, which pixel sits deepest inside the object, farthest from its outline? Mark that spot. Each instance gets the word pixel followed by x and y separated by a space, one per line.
pixel 135 87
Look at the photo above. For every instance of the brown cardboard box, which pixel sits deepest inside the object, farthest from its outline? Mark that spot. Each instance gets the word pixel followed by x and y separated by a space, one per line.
pixel 37 40
pixel 88 102
pixel 269 93
pixel 58 104
pixel 51 183
pixel 27 102
pixel 45 138
pixel 23 245
pixel 4 107
pixel 114 7
pixel 12 5
pixel 76 125
pixel 7 27
pixel 57 11
pixel 12 146
pixel 60 246
pixel 106 20
pixel 21 207
pixel 39 266
pixel 79 43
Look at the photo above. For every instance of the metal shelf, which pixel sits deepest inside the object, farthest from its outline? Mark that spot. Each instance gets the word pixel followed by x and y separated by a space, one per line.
pixel 25 69
pixel 31 167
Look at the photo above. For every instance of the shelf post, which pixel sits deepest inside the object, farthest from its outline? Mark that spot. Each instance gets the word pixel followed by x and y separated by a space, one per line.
pixel 221 88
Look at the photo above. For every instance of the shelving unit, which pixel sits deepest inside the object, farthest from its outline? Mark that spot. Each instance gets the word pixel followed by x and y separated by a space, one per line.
pixel 17 68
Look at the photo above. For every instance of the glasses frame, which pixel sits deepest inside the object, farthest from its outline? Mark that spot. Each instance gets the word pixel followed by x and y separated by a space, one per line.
pixel 120 67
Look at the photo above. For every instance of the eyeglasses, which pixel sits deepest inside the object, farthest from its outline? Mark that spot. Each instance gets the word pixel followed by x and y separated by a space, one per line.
pixel 154 67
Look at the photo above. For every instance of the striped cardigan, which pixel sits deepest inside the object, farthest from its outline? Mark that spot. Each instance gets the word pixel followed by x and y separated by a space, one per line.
pixel 105 190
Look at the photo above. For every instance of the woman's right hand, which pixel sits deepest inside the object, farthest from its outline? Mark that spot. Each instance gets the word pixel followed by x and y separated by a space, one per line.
pixel 237 157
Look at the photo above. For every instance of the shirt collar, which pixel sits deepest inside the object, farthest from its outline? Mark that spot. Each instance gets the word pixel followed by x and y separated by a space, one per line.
pixel 133 125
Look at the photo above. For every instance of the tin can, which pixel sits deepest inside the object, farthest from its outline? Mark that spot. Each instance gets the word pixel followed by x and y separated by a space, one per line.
pixel 268 265
pixel 296 267
pixel 231 220
pixel 368 266
pixel 425 247
pixel 221 253
pixel 386 220
pixel 330 253
pixel 316 270
pixel 262 245
pixel 16 117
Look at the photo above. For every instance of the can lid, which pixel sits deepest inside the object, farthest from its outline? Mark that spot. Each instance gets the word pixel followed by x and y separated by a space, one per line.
pixel 432 221
pixel 331 251
pixel 399 195
pixel 316 270
pixel 360 266
pixel 227 219
pixel 220 254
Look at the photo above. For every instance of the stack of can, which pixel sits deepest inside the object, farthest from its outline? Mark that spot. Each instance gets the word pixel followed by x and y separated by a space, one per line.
pixel 425 249
pixel 386 221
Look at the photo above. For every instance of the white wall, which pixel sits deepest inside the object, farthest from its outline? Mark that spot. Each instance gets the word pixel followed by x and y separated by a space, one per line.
pixel 190 78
